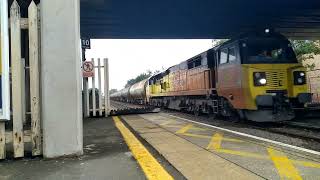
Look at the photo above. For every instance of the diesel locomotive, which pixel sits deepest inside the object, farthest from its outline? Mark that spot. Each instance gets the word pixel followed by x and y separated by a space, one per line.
pixel 255 76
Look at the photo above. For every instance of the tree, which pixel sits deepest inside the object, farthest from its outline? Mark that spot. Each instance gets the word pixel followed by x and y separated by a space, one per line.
pixel 217 42
pixel 139 78
pixel 305 50
pixel 113 91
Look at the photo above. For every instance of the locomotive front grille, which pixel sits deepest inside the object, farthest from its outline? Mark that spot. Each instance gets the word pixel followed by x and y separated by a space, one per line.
pixel 276 79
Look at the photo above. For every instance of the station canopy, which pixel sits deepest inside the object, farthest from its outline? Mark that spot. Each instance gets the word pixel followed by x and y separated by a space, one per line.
pixel 198 18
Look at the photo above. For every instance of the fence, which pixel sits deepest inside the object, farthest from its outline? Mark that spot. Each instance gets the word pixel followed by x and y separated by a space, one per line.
pixel 94 103
pixel 14 133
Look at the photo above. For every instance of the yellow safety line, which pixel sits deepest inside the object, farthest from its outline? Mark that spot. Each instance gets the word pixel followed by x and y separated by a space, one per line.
pixel 242 153
pixel 196 135
pixel 284 166
pixel 306 164
pixel 190 127
pixel 150 166
pixel 184 129
pixel 215 142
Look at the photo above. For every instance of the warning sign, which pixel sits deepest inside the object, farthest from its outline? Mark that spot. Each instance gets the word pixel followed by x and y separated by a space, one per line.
pixel 87 69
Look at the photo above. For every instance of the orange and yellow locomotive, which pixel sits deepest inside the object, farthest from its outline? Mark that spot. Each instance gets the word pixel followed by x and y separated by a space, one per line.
pixel 255 76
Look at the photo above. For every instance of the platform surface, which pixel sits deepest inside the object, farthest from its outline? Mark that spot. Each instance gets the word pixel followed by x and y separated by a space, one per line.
pixel 106 156
pixel 202 152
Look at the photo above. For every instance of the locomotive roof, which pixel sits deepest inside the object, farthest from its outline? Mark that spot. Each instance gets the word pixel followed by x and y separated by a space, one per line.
pixel 253 34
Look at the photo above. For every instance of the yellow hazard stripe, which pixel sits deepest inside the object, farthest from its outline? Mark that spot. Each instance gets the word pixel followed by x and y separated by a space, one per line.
pixel 284 166
pixel 150 166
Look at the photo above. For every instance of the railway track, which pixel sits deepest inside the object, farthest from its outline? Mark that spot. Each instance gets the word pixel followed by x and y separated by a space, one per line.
pixel 120 108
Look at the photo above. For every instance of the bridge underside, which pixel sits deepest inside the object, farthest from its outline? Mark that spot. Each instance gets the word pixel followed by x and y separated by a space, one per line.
pixel 197 19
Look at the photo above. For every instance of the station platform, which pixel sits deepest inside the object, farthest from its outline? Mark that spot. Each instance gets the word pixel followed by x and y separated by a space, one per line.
pixel 201 151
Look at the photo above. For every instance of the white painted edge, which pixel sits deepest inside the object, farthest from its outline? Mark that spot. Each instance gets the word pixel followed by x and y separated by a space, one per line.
pixel 252 136
pixel 93 96
pixel 99 88
pixel 5 115
pixel 106 87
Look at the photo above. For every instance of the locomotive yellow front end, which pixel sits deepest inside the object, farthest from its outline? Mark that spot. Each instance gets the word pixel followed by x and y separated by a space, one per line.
pixel 274 81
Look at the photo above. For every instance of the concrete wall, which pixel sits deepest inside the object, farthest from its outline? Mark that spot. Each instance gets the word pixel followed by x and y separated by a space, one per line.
pixel 60 78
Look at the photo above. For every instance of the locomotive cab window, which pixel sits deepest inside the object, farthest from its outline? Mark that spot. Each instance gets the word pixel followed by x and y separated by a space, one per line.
pixel 232 54
pixel 194 62
pixel 228 55
pixel 223 56
pixel 267 50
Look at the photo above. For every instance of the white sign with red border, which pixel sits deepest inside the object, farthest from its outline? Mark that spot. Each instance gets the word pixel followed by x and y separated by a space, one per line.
pixel 87 69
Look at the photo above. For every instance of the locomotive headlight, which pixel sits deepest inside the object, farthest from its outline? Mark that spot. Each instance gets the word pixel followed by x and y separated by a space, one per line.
pixel 299 77
pixel 263 81
pixel 259 78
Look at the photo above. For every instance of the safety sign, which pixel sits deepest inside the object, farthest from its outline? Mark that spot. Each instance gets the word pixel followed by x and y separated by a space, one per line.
pixel 87 69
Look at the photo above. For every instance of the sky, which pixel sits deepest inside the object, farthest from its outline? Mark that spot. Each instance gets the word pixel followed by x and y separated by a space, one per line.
pixel 129 58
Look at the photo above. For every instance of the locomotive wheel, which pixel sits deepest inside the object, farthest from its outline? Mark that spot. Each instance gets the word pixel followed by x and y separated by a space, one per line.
pixel 229 112
pixel 196 110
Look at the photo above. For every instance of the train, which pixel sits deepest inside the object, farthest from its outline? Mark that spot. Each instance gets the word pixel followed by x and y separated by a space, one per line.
pixel 255 76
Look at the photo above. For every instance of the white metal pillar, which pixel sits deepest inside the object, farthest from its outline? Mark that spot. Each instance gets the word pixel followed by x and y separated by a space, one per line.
pixel 106 88
pixel 61 78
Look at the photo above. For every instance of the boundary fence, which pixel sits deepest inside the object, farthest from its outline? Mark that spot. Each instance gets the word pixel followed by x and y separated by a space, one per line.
pixel 96 104
pixel 13 133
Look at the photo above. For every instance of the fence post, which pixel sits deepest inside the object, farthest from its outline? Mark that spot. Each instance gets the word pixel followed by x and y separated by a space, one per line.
pixel 23 89
pixel 106 87
pixel 33 17
pixel 99 87
pixel 86 91
pixel 2 140
pixel 18 144
pixel 93 92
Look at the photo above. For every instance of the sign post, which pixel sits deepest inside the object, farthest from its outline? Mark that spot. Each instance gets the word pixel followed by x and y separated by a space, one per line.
pixel 85 44
pixel 4 62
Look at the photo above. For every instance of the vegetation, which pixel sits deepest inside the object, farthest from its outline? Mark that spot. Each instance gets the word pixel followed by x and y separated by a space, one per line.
pixel 113 91
pixel 305 50
pixel 217 42
pixel 139 78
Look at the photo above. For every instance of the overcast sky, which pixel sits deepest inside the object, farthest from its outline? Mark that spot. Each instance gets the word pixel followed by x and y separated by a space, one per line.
pixel 129 58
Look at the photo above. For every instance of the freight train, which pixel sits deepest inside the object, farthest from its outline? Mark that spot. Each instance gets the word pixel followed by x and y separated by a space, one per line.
pixel 255 76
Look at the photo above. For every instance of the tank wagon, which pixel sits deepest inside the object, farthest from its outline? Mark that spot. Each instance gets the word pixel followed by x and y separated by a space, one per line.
pixel 255 76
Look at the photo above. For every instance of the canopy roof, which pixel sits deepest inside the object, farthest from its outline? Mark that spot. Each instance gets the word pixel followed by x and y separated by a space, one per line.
pixel 197 18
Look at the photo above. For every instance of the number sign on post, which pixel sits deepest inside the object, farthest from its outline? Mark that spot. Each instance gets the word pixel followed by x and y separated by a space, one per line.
pixel 4 62
pixel 85 43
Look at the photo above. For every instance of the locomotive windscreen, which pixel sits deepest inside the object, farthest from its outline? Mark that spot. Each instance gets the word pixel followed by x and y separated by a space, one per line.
pixel 267 50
